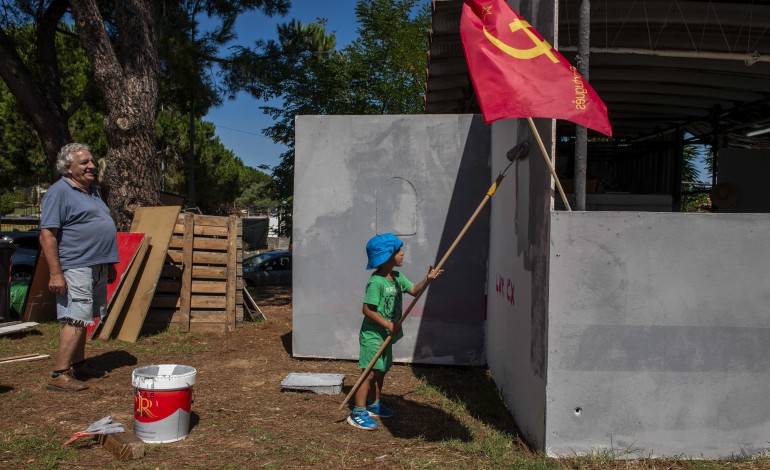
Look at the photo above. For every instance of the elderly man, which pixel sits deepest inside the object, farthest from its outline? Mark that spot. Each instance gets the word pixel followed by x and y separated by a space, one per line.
pixel 79 240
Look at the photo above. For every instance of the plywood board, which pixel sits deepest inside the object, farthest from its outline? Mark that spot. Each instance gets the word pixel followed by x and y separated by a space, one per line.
pixel 158 223
pixel 128 245
pixel 9 329
pixel 40 305
pixel 118 300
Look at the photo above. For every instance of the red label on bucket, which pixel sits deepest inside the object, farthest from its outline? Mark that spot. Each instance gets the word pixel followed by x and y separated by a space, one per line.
pixel 155 405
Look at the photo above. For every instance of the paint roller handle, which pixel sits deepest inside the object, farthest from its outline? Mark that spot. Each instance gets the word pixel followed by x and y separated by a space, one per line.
pixel 366 371
pixel 433 274
pixel 427 282
pixel 419 293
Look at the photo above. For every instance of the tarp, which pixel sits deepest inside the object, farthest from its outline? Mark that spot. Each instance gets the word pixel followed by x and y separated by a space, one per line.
pixel 19 288
pixel 255 233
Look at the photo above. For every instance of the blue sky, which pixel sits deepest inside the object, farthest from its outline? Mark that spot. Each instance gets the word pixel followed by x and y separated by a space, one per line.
pixel 240 122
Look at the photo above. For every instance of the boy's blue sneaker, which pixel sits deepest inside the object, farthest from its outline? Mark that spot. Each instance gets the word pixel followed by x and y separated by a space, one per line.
pixel 380 410
pixel 362 420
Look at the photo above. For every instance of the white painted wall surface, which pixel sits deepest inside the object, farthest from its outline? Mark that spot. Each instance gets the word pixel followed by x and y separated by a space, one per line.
pixel 419 176
pixel 659 334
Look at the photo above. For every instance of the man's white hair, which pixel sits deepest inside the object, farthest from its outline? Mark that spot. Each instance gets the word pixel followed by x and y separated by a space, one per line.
pixel 64 158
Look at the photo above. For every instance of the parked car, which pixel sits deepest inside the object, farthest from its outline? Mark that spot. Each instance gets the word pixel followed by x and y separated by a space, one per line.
pixel 23 259
pixel 271 268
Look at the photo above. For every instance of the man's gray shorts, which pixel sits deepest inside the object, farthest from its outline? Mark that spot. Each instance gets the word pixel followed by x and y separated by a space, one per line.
pixel 86 295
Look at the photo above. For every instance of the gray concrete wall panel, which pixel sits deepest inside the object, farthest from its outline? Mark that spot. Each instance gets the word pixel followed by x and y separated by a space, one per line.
pixel 418 176
pixel 517 310
pixel 517 291
pixel 659 334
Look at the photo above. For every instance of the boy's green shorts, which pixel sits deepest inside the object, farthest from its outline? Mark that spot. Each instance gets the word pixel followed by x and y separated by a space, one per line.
pixel 367 352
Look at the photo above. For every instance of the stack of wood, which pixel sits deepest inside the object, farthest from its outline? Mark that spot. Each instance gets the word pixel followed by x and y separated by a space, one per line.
pixel 176 271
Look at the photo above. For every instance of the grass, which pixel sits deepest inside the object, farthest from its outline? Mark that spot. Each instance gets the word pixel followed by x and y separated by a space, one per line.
pixel 479 411
pixel 262 435
pixel 42 451
pixel 479 434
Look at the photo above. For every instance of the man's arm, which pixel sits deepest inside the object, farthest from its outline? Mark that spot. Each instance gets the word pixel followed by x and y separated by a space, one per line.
pixel 50 247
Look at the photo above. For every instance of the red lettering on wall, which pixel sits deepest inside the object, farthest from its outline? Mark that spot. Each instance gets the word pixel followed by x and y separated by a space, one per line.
pixel 506 288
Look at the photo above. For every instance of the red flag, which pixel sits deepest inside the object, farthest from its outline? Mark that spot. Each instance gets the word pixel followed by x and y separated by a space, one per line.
pixel 516 73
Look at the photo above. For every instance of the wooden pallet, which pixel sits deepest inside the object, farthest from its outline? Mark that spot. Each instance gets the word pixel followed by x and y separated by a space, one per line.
pixel 200 285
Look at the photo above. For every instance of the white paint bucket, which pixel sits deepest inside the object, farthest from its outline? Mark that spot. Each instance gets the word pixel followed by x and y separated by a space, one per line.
pixel 162 402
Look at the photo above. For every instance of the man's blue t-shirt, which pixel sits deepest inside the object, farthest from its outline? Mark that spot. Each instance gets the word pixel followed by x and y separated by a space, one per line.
pixel 87 235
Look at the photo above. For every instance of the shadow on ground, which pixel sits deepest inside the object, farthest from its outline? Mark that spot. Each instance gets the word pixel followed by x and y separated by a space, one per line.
pixel 415 420
pixel 474 388
pixel 276 296
pixel 286 341
pixel 112 360
pixel 22 334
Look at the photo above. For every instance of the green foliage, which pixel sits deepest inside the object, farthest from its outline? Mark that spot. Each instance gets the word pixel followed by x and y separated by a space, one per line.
pixel 7 202
pixel 258 195
pixel 689 156
pixel 381 72
pixel 22 159
pixel 192 58
pixel 220 176
pixel 192 79
pixel 696 202
pixel 695 198
pixel 388 61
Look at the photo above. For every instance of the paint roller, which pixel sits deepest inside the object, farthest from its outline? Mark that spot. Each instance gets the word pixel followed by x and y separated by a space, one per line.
pixel 516 153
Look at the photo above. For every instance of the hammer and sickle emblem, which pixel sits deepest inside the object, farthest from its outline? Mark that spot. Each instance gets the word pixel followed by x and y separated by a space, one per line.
pixel 540 47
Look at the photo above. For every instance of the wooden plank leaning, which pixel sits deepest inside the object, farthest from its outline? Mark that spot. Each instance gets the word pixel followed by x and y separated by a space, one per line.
pixel 116 313
pixel 185 292
pixel 158 223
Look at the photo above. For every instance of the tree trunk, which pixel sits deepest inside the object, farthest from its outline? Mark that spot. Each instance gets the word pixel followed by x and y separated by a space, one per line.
pixel 130 90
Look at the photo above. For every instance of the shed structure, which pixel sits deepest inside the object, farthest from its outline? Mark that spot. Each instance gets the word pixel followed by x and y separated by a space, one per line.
pixel 632 326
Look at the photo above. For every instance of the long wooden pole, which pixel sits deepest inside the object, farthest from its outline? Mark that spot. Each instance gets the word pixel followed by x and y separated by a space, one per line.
pixel 548 162
pixel 428 280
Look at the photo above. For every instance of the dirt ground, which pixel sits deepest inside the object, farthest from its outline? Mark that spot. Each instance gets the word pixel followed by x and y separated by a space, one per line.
pixel 446 417
pixel 241 418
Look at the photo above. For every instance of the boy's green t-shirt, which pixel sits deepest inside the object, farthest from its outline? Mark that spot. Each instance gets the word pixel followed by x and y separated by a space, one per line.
pixel 386 295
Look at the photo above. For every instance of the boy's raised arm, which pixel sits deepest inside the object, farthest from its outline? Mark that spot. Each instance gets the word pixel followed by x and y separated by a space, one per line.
pixel 433 274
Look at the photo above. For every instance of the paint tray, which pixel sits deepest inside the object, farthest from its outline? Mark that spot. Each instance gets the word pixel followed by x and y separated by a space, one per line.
pixel 328 384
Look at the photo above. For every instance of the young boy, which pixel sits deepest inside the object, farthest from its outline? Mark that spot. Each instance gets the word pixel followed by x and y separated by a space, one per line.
pixel 382 312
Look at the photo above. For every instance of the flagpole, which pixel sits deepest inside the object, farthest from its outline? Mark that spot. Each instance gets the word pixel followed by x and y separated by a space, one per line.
pixel 548 162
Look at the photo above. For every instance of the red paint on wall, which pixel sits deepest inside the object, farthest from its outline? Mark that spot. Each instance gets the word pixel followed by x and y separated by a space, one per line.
pixel 505 288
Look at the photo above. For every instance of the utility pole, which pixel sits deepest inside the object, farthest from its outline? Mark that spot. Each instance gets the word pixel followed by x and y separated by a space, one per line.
pixel 191 130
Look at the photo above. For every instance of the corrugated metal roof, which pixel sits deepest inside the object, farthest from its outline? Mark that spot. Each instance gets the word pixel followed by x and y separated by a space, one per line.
pixel 658 65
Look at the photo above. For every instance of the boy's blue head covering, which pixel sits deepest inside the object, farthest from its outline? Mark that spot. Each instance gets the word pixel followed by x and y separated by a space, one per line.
pixel 380 248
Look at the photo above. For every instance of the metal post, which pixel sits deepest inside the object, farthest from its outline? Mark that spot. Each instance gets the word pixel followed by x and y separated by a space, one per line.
pixel 677 203
pixel 715 128
pixel 581 133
